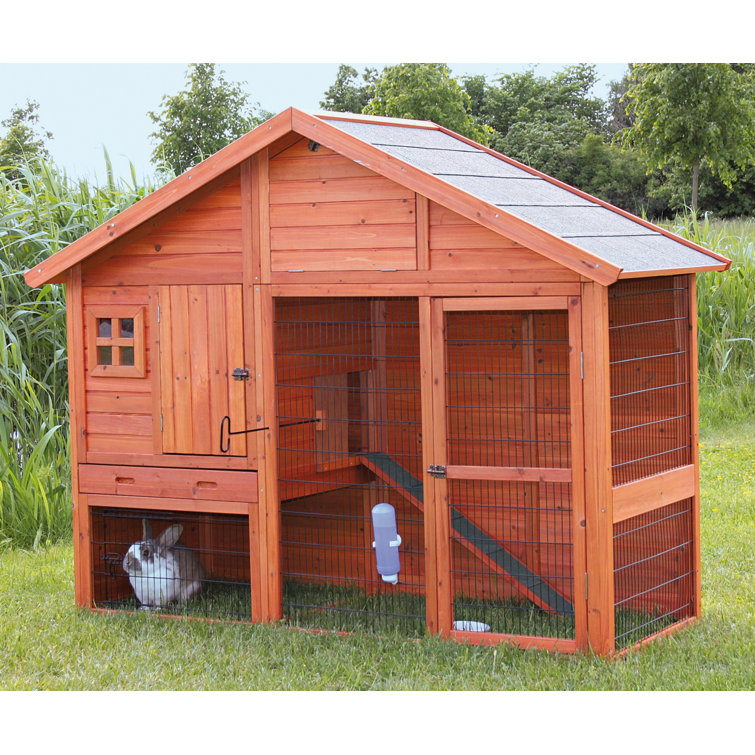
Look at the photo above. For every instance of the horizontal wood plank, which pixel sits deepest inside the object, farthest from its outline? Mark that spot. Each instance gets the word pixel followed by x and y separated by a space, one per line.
pixel 490 260
pixel 343 237
pixel 119 424
pixel 161 482
pixel 512 474
pixel 170 504
pixel 180 269
pixel 345 259
pixel 309 214
pixel 336 190
pixel 504 303
pixel 635 498
pixel 315 166
pixel 469 237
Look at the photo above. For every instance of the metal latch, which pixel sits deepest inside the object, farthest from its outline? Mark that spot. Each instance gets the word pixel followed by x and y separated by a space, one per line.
pixel 239 373
pixel 437 470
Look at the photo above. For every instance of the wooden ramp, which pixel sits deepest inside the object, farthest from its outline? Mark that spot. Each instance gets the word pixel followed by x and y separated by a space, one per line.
pixel 471 536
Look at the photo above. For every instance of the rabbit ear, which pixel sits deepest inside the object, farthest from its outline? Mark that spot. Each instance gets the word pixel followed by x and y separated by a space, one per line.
pixel 146 530
pixel 170 536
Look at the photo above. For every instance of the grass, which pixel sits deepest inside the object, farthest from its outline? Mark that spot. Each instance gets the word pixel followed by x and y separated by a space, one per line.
pixel 46 643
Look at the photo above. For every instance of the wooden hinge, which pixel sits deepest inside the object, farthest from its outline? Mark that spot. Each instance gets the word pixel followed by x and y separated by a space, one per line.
pixel 582 364
pixel 158 313
pixel 161 423
pixel 586 590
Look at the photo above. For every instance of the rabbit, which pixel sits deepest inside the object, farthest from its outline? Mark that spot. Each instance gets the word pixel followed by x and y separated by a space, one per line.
pixel 161 572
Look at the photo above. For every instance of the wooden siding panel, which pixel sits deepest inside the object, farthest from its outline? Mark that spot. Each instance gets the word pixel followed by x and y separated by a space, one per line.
pixel 328 213
pixel 457 243
pixel 200 244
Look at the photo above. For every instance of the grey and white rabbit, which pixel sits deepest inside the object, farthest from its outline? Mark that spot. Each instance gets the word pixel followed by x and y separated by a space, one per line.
pixel 160 571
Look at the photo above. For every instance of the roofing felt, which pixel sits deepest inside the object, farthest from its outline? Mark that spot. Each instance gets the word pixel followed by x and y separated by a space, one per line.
pixel 629 244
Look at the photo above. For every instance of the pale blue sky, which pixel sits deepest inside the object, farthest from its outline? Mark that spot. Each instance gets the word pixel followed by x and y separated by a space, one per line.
pixel 91 105
pixel 96 67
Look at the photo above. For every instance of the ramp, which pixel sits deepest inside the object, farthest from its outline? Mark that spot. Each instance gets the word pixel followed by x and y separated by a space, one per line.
pixel 472 537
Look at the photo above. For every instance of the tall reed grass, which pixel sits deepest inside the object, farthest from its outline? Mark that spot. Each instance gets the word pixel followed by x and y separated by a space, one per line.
pixel 40 213
pixel 725 318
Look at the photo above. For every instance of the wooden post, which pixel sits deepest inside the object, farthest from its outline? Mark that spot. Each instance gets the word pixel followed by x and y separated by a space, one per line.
pixel 695 432
pixel 438 488
pixel 77 400
pixel 599 580
pixel 428 451
pixel 531 453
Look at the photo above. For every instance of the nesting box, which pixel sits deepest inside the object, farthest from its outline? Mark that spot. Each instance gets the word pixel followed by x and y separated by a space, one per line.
pixel 338 311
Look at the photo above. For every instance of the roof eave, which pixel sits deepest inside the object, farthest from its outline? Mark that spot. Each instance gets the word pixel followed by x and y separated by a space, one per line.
pixel 597 200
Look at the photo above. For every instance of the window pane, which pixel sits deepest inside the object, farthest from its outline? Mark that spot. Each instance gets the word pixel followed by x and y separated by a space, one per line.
pixel 104 355
pixel 127 327
pixel 103 329
pixel 127 355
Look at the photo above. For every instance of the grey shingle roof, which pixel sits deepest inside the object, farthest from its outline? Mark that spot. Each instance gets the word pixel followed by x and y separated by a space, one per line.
pixel 619 240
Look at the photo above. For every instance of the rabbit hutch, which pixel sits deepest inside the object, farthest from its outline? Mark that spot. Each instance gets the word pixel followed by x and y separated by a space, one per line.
pixel 356 372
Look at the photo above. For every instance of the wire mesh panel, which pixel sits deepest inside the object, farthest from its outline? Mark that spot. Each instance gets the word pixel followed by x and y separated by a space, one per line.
pixel 650 374
pixel 348 394
pixel 653 571
pixel 172 562
pixel 507 407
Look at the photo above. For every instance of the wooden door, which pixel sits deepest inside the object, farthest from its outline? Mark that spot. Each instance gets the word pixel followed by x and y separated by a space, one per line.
pixel 201 331
pixel 509 509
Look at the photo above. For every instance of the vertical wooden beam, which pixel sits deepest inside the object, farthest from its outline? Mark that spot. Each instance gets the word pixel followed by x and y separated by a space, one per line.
pixel 377 379
pixel 428 457
pixel 577 443
pixel 422 214
pixel 599 583
pixel 261 188
pixel 269 502
pixel 529 421
pixel 438 488
pixel 250 277
pixel 695 433
pixel 77 435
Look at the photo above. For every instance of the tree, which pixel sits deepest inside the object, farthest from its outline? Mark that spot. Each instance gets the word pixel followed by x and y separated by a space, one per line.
pixel 517 98
pixel 425 91
pixel 205 116
pixel 693 115
pixel 23 142
pixel 346 95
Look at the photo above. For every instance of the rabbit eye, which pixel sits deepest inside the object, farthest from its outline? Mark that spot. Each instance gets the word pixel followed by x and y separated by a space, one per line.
pixel 145 551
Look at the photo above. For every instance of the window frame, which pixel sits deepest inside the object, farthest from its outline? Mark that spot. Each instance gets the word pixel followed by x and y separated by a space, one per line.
pixel 115 313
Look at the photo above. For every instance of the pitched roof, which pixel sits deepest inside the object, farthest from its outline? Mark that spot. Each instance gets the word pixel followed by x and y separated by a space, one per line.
pixel 567 225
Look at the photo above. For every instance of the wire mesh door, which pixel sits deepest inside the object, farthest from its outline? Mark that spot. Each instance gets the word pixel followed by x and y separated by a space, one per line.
pixel 349 410
pixel 503 412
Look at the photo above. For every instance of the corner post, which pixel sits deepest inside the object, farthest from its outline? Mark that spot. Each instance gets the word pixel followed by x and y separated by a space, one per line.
pixel 599 582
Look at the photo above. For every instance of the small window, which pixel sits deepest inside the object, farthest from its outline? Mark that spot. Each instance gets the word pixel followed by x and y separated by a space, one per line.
pixel 116 341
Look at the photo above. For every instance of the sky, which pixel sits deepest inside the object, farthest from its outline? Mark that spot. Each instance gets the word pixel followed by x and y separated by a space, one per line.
pixel 88 106
pixel 97 68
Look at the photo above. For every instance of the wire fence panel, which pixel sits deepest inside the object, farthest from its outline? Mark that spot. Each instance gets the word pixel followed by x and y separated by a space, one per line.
pixel 193 564
pixel 508 406
pixel 653 571
pixel 650 375
pixel 347 371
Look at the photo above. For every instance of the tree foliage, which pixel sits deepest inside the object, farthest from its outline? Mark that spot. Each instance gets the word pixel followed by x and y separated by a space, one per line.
pixel 693 115
pixel 205 116
pixel 24 140
pixel 425 91
pixel 346 94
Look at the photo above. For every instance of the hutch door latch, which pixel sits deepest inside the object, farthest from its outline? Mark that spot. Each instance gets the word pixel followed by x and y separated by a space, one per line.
pixel 239 373
pixel 437 470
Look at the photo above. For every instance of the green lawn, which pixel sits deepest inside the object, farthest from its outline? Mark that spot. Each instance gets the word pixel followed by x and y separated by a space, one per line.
pixel 47 644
